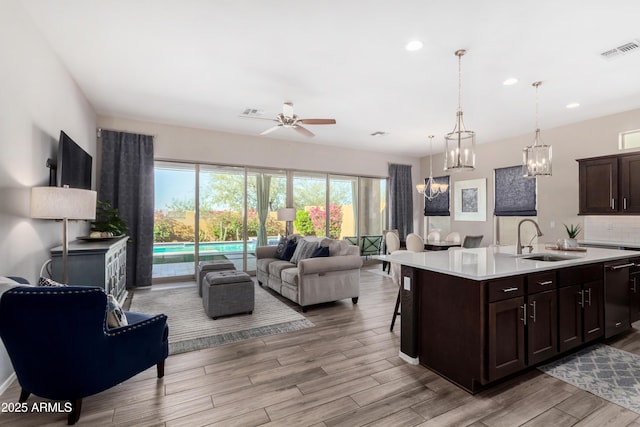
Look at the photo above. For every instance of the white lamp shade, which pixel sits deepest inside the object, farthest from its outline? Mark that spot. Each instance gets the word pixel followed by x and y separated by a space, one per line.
pixel 287 214
pixel 63 202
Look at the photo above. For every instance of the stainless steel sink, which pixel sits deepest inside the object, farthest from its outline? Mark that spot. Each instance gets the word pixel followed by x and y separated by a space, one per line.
pixel 548 257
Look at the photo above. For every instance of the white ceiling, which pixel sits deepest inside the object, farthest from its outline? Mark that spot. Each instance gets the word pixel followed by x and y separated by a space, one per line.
pixel 200 63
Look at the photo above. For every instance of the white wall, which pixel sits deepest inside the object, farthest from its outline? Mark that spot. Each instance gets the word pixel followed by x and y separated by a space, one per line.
pixel 38 100
pixel 557 194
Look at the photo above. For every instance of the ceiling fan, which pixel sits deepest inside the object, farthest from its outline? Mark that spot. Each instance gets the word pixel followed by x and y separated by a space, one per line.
pixel 288 119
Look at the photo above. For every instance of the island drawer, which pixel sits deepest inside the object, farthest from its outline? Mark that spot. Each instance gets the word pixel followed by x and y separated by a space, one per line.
pixel 502 289
pixel 540 282
pixel 579 275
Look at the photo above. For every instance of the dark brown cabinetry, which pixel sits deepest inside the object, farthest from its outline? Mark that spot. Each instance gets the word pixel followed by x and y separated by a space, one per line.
pixel 522 323
pixel 580 305
pixel 634 291
pixel 609 185
pixel 542 317
pixel 616 295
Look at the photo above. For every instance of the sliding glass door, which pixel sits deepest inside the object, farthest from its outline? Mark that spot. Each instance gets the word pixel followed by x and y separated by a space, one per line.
pixel 174 220
pixel 230 210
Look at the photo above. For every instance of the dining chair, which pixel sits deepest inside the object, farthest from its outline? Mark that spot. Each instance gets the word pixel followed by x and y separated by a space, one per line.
pixel 453 237
pixel 472 241
pixel 392 243
pixel 415 243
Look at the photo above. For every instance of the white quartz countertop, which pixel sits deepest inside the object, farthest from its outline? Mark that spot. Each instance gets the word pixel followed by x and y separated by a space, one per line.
pixel 500 261
pixel 611 243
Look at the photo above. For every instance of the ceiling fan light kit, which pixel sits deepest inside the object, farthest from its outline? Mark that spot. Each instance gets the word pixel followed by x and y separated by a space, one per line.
pixel 460 144
pixel 288 119
pixel 536 158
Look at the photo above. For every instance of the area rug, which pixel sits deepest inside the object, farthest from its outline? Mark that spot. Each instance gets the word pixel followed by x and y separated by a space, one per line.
pixel 191 329
pixel 605 371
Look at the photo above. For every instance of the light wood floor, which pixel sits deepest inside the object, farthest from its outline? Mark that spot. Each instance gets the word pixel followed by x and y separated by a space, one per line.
pixel 343 372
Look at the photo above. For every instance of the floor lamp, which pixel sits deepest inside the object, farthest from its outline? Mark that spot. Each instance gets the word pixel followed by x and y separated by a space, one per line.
pixel 288 215
pixel 63 203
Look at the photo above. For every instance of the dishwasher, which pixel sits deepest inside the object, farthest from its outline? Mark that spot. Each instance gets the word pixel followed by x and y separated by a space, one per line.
pixel 616 297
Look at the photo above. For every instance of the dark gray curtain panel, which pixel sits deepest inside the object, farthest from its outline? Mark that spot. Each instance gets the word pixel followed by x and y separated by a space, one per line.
pixel 401 199
pixel 126 180
pixel 515 194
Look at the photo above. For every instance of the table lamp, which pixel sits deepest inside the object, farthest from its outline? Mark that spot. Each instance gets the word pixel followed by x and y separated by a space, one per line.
pixel 63 203
pixel 288 215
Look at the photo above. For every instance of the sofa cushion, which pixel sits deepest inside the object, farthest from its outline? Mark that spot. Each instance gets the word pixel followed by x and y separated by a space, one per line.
pixel 320 251
pixel 342 247
pixel 276 267
pixel 304 250
pixel 290 276
pixel 45 281
pixel 282 244
pixel 289 250
pixel 262 264
pixel 115 315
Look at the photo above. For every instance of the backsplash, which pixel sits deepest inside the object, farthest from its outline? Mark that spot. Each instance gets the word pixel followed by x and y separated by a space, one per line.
pixel 624 229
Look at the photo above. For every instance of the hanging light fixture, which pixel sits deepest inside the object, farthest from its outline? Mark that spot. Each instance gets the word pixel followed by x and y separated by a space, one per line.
pixel 536 158
pixel 460 143
pixel 431 189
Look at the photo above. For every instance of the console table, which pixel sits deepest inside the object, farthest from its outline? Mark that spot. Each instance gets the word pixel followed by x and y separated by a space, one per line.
pixel 100 263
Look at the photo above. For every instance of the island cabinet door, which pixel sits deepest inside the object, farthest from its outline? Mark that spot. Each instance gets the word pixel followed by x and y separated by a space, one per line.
pixel 506 353
pixel 570 317
pixel 593 309
pixel 542 326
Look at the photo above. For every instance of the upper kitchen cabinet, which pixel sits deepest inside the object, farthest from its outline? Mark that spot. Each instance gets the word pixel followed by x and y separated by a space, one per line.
pixel 610 185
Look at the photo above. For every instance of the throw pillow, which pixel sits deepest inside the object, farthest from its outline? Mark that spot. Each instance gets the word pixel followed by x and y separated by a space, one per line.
pixel 304 250
pixel 45 281
pixel 282 244
pixel 321 251
pixel 115 314
pixel 289 250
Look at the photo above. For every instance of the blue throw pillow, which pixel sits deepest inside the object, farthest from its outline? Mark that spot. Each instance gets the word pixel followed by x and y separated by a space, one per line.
pixel 282 244
pixel 321 251
pixel 289 250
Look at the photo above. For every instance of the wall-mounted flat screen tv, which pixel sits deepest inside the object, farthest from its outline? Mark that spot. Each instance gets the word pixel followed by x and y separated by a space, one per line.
pixel 73 164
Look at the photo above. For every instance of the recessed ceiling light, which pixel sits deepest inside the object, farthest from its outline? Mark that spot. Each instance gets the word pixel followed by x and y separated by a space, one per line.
pixel 413 45
pixel 573 105
pixel 510 81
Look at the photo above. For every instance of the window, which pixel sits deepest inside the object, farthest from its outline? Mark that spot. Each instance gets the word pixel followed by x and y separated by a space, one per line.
pixel 440 205
pixel 630 139
pixel 515 199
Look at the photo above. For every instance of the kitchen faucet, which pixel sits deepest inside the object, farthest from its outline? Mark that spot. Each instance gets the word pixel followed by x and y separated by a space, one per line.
pixel 519 244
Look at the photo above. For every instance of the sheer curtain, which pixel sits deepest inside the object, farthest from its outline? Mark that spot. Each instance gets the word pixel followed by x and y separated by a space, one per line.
pixel 126 180
pixel 263 186
pixel 401 199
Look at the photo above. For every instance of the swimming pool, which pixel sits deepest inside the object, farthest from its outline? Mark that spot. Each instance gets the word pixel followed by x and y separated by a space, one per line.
pixel 206 247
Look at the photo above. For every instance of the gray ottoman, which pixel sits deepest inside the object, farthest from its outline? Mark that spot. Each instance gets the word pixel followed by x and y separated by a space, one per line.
pixel 227 292
pixel 205 267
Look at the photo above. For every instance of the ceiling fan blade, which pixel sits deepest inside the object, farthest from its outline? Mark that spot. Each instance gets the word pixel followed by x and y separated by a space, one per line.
pixel 317 121
pixel 287 109
pixel 270 129
pixel 304 131
pixel 254 117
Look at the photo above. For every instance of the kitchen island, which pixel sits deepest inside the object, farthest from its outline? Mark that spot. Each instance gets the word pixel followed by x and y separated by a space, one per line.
pixel 478 315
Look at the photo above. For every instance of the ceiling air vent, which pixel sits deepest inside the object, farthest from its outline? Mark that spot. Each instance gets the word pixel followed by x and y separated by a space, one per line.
pixel 632 46
pixel 252 112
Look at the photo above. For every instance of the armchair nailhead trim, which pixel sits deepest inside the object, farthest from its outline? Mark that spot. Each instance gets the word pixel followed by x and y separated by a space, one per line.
pixel 56 292
pixel 126 329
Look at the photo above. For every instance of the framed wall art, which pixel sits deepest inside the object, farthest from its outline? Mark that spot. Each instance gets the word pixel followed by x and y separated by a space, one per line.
pixel 470 200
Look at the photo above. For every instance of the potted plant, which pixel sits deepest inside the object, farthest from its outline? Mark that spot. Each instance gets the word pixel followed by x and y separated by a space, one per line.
pixel 108 222
pixel 572 232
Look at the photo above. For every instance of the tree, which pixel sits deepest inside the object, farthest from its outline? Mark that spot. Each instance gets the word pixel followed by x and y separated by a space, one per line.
pixel 303 224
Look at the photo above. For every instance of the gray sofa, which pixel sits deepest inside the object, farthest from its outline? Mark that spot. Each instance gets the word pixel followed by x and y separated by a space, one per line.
pixel 313 280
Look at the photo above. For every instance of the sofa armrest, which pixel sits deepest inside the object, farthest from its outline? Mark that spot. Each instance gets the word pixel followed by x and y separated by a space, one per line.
pixel 266 252
pixel 326 264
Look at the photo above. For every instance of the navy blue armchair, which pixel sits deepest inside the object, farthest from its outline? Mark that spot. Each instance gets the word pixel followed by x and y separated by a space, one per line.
pixel 61 348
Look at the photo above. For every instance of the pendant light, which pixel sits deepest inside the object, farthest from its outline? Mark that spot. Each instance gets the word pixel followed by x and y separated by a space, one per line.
pixel 536 158
pixel 460 143
pixel 431 189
